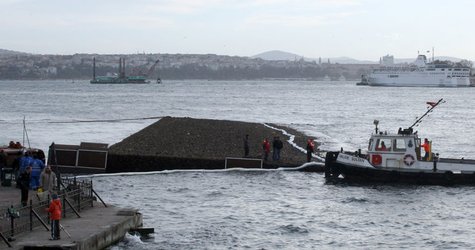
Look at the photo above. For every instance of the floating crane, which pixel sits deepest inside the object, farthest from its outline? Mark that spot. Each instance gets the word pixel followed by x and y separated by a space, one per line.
pixel 122 77
pixel 152 69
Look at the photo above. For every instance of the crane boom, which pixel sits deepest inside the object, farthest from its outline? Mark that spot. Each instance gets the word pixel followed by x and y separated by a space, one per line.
pixel 150 71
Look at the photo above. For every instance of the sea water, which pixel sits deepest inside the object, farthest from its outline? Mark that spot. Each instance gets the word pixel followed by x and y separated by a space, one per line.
pixel 262 209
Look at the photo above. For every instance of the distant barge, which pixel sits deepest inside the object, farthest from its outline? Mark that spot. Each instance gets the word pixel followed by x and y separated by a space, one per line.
pixel 121 78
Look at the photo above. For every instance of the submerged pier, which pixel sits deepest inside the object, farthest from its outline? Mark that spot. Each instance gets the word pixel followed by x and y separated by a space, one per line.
pixel 187 143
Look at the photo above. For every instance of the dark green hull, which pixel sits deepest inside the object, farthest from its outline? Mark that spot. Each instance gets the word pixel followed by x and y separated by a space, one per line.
pixel 116 80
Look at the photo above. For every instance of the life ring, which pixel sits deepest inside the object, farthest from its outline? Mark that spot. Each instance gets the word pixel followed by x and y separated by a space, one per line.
pixel 376 159
pixel 409 160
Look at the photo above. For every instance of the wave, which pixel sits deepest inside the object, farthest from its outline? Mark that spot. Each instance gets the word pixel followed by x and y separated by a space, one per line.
pixel 292 229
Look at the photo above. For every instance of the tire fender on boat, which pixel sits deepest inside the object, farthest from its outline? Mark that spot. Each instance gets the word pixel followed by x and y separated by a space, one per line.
pixel 330 166
pixel 449 177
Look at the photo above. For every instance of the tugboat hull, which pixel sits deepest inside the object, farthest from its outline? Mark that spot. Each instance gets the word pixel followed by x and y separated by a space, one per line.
pixel 354 173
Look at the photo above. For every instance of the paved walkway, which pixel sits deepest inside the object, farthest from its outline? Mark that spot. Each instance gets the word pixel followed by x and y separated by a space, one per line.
pixel 98 227
pixel 11 196
pixel 91 224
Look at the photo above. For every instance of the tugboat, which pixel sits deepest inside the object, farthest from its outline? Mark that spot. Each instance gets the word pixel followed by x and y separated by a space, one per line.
pixel 397 158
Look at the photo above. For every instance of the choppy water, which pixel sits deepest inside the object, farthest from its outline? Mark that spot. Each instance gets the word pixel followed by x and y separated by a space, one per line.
pixel 291 210
pixel 272 209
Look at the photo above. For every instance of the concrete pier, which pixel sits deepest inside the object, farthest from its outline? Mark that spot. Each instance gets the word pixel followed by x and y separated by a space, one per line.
pixel 97 227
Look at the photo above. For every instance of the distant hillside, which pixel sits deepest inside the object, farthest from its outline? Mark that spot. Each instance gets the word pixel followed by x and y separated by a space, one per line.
pixel 275 55
pixel 4 52
pixel 348 60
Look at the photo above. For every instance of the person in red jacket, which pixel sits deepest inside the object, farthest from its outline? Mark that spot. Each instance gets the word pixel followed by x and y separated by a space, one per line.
pixel 310 149
pixel 266 148
pixel 54 209
pixel 426 146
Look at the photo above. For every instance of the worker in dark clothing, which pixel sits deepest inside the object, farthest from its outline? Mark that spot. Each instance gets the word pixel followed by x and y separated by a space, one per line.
pixel 3 160
pixel 24 180
pixel 276 147
pixel 310 149
pixel 246 146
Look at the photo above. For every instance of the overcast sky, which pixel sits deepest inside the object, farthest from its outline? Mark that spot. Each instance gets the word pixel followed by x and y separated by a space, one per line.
pixel 361 29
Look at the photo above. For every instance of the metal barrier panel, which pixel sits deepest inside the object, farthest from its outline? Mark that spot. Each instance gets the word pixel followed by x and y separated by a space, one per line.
pixel 92 158
pixel 232 162
pixel 79 159
pixel 65 157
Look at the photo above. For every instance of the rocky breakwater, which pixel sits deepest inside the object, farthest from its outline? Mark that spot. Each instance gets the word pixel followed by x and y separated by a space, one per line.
pixel 186 143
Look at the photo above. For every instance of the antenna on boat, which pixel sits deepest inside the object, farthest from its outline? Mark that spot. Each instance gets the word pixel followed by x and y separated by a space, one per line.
pixel 376 122
pixel 25 133
pixel 433 105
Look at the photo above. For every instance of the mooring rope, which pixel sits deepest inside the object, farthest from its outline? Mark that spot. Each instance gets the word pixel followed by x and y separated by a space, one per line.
pixel 89 121
pixel 110 120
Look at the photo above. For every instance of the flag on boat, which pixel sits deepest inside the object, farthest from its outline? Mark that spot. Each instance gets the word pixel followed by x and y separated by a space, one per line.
pixel 432 104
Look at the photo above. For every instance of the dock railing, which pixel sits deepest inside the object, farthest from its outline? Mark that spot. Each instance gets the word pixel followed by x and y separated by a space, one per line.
pixel 75 196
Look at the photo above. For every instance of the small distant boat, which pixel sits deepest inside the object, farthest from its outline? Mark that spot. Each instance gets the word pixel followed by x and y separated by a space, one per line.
pixel 327 78
pixel 121 78
pixel 398 158
pixel 364 81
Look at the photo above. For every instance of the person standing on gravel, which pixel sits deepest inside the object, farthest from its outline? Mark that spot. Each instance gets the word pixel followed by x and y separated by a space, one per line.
pixel 276 147
pixel 246 146
pixel 310 149
pixel 266 148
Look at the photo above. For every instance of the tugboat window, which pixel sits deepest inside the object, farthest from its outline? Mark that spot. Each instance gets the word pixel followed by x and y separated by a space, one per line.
pixel 409 144
pixel 383 145
pixel 399 145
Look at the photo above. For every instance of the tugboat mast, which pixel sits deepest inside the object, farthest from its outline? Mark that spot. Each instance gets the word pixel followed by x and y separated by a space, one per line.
pixel 433 105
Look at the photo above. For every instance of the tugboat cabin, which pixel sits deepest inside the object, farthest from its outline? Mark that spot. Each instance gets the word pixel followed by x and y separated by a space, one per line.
pixel 407 152
pixel 402 150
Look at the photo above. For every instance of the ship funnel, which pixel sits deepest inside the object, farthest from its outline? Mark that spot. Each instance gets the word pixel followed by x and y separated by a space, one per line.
pixel 421 61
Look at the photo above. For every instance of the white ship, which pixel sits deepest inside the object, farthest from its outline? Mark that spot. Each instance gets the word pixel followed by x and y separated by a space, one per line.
pixel 419 74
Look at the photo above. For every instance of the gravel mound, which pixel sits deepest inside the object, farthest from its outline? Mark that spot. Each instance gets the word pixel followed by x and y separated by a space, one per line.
pixel 206 139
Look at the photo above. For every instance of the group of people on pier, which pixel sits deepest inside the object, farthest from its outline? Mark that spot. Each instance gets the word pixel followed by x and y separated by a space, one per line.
pixel 28 168
pixel 32 173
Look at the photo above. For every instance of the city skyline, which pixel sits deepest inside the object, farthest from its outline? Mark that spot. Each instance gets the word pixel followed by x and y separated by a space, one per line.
pixel 360 29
